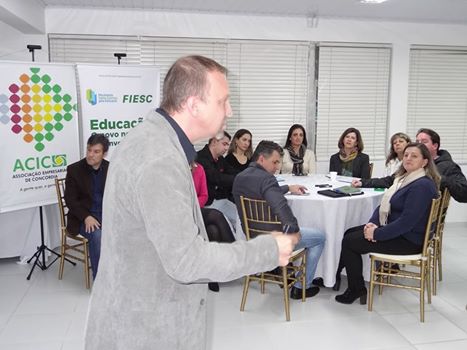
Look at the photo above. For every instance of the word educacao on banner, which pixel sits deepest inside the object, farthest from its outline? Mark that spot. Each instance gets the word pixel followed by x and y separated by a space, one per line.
pixel 116 99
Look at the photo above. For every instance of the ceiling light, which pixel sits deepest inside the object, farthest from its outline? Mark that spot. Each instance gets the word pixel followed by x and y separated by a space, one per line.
pixel 372 1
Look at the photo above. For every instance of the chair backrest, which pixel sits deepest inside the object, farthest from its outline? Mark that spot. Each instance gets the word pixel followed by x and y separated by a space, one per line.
pixel 443 210
pixel 258 217
pixel 371 169
pixel 431 224
pixel 60 187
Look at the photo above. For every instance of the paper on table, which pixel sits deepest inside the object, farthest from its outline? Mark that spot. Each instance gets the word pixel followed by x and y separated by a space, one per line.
pixel 347 179
pixel 279 179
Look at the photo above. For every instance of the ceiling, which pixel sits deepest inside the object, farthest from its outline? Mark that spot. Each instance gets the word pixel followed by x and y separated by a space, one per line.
pixel 434 11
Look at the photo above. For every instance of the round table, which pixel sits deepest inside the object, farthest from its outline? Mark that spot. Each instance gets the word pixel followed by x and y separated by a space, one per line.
pixel 331 215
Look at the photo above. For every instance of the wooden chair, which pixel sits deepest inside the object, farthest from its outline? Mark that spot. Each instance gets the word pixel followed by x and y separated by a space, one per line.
pixel 437 266
pixel 371 169
pixel 382 274
pixel 257 218
pixel 73 246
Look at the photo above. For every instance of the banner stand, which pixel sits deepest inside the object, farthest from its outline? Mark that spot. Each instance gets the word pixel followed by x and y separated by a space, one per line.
pixel 41 251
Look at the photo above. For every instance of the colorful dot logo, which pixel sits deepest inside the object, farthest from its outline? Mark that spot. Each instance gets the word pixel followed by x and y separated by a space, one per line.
pixel 37 108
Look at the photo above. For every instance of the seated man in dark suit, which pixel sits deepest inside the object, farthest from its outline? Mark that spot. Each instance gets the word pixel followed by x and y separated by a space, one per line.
pixel 84 190
pixel 258 182
pixel 219 176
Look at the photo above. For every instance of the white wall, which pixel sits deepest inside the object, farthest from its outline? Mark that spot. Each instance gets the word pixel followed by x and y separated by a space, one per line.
pixel 27 16
pixel 13 45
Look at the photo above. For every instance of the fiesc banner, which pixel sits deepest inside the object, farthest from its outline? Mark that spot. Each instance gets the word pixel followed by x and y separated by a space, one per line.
pixel 115 99
pixel 38 131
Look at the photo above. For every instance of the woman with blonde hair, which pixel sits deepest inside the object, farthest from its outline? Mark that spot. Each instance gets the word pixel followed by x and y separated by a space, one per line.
pixel 396 152
pixel 240 150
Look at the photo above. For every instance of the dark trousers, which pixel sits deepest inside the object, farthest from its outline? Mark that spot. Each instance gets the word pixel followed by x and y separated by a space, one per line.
pixel 94 239
pixel 217 227
pixel 354 245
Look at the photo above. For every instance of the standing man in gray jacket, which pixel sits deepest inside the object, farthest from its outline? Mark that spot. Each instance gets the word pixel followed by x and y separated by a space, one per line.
pixel 156 259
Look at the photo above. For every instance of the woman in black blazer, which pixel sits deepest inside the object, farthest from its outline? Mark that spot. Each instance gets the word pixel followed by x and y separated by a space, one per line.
pixel 350 161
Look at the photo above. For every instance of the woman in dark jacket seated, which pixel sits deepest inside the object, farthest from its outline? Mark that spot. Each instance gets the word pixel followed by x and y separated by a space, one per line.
pixel 350 161
pixel 398 225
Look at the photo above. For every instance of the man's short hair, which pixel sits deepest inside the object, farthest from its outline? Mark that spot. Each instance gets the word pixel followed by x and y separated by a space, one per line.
pixel 220 136
pixel 187 77
pixel 96 139
pixel 434 136
pixel 266 149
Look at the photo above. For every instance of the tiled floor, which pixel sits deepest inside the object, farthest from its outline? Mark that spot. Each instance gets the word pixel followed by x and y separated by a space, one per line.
pixel 49 314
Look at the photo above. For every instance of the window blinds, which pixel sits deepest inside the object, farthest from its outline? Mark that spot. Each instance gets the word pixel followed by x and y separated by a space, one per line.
pixel 438 96
pixel 93 49
pixel 353 91
pixel 268 80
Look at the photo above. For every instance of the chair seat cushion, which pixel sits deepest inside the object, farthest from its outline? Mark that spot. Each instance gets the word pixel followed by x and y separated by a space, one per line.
pixel 400 258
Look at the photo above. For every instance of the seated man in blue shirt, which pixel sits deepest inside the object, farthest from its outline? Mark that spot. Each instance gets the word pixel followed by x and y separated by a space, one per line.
pixel 84 190
pixel 258 182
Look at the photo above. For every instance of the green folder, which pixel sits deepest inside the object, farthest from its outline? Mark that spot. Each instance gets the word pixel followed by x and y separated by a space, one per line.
pixel 348 190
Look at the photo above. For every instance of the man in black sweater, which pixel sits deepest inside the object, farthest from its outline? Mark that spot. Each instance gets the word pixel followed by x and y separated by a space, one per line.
pixel 219 176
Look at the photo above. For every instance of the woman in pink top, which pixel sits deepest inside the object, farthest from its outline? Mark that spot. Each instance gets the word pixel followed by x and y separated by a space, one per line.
pixel 217 227
pixel 201 187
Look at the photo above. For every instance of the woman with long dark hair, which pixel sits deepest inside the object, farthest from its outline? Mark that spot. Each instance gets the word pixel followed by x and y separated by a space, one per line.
pixel 240 150
pixel 298 159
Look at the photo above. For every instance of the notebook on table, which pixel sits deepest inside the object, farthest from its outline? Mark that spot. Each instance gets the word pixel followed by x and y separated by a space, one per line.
pixel 344 191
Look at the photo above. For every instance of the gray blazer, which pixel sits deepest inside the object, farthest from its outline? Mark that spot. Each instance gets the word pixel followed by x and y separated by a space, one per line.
pixel 155 257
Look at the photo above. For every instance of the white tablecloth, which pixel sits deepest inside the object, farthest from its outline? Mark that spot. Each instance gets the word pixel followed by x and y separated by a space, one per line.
pixel 331 215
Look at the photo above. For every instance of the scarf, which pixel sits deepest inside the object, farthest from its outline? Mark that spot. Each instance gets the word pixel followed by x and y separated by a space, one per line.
pixel 297 159
pixel 399 182
pixel 348 158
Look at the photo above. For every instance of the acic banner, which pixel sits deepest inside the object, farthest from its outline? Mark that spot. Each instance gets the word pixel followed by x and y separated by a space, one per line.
pixel 38 131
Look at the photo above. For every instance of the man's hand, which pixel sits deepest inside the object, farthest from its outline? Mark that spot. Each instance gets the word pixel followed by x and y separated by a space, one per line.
pixel 286 244
pixel 356 183
pixel 297 189
pixel 91 224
